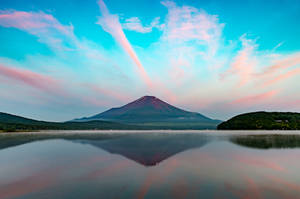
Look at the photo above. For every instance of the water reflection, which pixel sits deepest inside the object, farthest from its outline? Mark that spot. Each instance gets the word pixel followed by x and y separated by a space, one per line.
pixel 267 141
pixel 149 166
pixel 150 149
pixel 15 139
pixel 146 149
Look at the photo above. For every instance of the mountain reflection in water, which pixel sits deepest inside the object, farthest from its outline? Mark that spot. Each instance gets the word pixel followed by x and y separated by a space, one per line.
pixel 146 149
pixel 152 149
pixel 149 165
pixel 267 141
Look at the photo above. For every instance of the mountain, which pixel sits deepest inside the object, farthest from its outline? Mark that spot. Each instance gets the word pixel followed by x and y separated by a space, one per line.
pixel 263 121
pixel 151 111
pixel 10 122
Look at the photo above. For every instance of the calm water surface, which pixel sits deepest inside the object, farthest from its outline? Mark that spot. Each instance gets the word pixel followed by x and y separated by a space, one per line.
pixel 153 165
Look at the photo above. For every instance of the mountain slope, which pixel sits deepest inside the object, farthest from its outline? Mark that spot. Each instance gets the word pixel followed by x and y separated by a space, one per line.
pixel 263 121
pixel 149 109
pixel 9 118
pixel 10 122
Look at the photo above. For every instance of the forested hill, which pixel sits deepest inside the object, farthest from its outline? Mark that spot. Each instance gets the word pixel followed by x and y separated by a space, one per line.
pixel 263 121
pixel 10 122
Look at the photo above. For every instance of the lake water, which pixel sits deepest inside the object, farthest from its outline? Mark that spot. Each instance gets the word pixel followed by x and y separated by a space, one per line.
pixel 149 165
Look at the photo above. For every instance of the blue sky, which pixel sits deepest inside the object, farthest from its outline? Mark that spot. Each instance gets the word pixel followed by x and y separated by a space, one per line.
pixel 219 58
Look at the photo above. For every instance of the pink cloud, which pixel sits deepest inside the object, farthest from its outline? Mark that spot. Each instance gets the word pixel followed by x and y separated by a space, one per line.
pixel 247 64
pixel 281 64
pixel 187 23
pixel 184 24
pixel 244 63
pixel 32 79
pixel 110 23
pixel 42 25
pixel 135 24
pixel 254 99
pixel 111 93
pixel 25 20
pixel 282 77
pixel 278 70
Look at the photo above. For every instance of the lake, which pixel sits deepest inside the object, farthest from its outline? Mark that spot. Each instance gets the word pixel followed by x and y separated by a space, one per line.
pixel 154 165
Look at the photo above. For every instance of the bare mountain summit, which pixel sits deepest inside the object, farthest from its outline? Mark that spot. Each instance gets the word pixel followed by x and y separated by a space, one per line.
pixel 152 111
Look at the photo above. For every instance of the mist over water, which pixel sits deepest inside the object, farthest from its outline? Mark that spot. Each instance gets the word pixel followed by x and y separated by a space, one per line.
pixel 149 165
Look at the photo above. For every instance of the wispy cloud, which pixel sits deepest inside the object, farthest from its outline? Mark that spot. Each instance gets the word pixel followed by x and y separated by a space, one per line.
pixel 244 63
pixel 135 24
pixel 110 93
pixel 260 69
pixel 110 23
pixel 282 77
pixel 185 24
pixel 39 81
pixel 282 63
pixel 42 25
pixel 255 99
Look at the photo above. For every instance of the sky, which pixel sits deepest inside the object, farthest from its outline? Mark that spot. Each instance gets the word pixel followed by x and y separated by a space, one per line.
pixel 64 59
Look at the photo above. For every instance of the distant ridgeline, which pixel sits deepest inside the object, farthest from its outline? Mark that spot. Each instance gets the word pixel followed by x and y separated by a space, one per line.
pixel 263 121
pixel 11 123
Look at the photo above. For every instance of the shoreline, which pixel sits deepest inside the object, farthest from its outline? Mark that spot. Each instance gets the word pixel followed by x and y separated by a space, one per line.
pixel 208 132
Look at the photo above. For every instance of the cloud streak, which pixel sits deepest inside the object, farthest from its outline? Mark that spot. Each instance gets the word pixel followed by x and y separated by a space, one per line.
pixel 110 23
pixel 255 99
pixel 42 82
pixel 282 77
pixel 281 64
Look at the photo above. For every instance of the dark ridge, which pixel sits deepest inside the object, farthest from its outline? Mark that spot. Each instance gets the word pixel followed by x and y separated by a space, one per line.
pixel 11 123
pixel 263 121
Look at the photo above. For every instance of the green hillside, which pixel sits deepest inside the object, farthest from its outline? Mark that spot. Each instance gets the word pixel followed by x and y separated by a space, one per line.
pixel 263 121
pixel 9 123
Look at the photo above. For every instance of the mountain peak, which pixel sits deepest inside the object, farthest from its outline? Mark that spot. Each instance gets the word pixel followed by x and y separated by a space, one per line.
pixel 149 109
pixel 150 102
pixel 148 97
